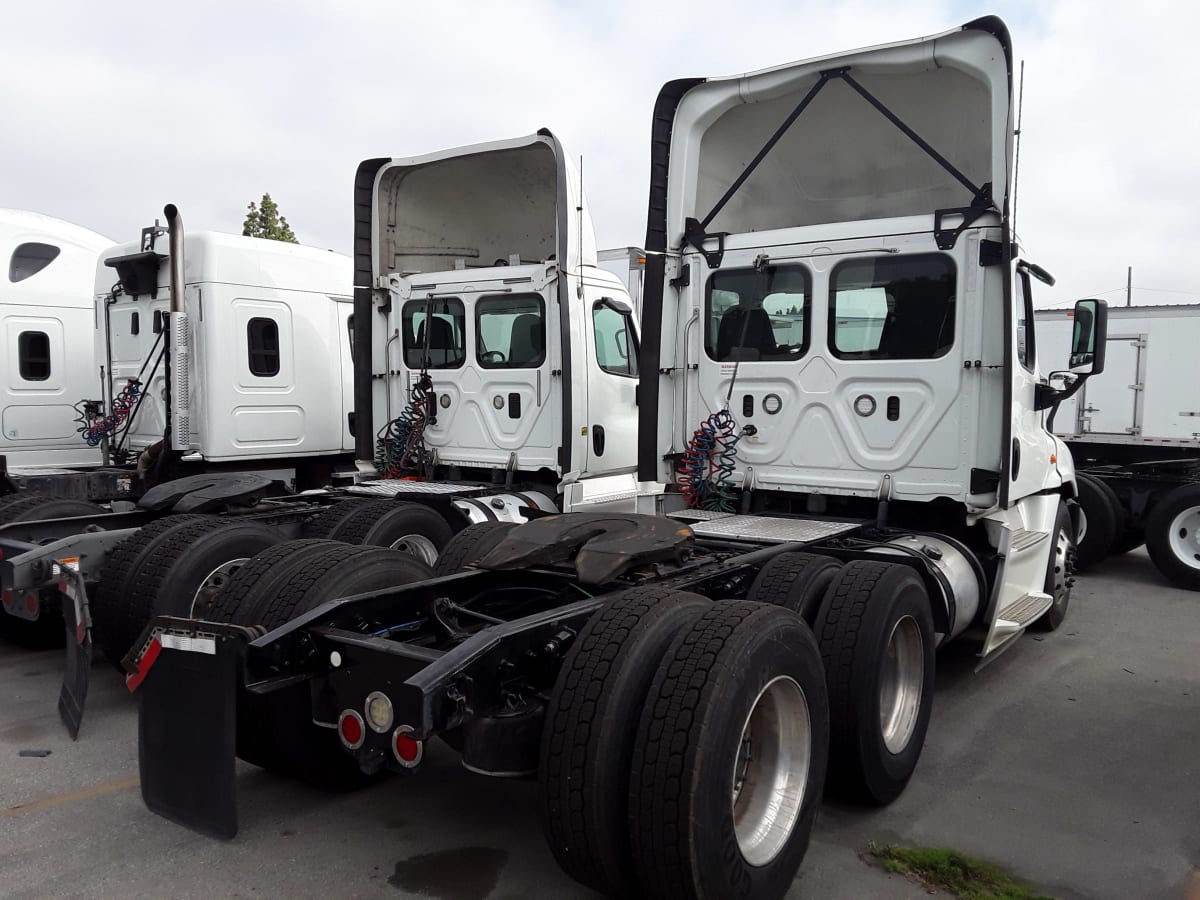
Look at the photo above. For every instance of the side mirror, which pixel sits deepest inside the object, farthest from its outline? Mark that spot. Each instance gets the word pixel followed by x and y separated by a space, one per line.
pixel 1090 337
pixel 1087 357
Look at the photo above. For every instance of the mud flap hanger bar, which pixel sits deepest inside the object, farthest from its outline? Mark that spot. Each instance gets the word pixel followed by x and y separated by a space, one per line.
pixel 694 232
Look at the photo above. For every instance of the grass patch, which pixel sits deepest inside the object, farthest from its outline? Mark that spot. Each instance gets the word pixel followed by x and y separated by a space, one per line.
pixel 953 872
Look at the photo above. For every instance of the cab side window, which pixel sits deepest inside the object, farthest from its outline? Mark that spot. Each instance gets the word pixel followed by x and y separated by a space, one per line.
pixel 33 355
pixel 1026 349
pixel 616 338
pixel 29 259
pixel 262 340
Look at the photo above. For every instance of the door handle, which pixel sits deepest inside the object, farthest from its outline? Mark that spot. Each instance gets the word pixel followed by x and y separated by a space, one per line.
pixel 598 440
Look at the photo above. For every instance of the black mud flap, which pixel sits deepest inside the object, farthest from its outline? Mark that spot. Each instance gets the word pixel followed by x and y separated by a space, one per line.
pixel 76 672
pixel 187 730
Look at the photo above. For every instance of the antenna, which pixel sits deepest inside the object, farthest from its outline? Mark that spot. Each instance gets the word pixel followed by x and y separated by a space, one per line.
pixel 1017 153
pixel 579 210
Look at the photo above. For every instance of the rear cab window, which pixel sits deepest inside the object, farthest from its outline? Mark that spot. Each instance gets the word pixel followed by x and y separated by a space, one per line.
pixel 434 333
pixel 510 332
pixel 758 315
pixel 894 307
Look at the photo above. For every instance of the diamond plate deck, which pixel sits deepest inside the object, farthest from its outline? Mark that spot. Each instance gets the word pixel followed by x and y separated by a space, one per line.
pixel 771 529
pixel 698 515
pixel 399 486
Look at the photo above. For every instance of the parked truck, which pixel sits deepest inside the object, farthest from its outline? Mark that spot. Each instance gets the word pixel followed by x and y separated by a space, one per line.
pixel 1135 436
pixel 463 412
pixel 843 465
pixel 46 325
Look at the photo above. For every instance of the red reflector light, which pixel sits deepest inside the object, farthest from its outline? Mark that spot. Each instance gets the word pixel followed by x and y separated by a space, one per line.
pixel 351 729
pixel 407 750
pixel 31 602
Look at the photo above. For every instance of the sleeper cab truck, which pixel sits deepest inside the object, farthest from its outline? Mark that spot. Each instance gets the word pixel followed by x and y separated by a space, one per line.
pixel 843 465
pixel 46 325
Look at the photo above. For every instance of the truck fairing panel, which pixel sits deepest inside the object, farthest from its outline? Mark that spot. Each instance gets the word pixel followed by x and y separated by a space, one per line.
pixel 479 204
pixel 841 159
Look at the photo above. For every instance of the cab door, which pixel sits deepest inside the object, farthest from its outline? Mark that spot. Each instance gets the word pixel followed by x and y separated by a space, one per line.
pixel 612 375
pixel 1031 446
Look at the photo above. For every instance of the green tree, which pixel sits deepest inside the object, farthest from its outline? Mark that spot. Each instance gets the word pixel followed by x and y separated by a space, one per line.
pixel 264 221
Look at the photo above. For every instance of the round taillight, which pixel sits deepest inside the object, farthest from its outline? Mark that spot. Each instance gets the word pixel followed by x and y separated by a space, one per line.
pixel 407 750
pixel 351 729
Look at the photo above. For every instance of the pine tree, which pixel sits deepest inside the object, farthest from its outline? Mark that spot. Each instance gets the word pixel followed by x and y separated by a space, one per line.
pixel 263 220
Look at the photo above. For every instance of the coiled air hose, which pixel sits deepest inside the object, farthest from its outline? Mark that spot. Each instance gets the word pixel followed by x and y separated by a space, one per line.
pixel 709 462
pixel 96 431
pixel 400 445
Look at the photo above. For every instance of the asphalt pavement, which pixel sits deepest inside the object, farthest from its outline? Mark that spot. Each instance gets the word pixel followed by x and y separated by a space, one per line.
pixel 1073 761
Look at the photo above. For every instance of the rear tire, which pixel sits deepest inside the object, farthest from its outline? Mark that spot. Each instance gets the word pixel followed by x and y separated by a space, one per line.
pixel 876 634
pixel 795 581
pixel 1103 519
pixel 587 740
pixel 1173 536
pixel 470 545
pixel 407 527
pixel 737 705
pixel 172 567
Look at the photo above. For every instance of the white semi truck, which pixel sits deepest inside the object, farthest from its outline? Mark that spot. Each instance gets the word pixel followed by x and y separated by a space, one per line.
pixel 844 465
pixel 1135 436
pixel 46 326
pixel 499 385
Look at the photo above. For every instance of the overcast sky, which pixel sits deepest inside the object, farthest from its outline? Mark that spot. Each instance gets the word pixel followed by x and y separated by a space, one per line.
pixel 110 110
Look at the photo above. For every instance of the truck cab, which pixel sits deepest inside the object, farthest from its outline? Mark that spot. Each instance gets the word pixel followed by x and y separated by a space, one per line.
pixel 255 372
pixel 837 319
pixel 46 332
pixel 495 335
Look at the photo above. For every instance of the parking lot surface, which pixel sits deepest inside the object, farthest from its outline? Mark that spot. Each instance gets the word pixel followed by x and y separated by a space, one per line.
pixel 1073 761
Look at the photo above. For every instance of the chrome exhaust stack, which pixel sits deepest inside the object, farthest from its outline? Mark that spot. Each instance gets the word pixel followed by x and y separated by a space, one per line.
pixel 179 431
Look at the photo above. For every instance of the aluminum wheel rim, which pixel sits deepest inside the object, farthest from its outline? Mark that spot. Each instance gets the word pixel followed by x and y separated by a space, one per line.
pixel 1081 532
pixel 417 545
pixel 1062 573
pixel 214 582
pixel 1185 537
pixel 901 683
pixel 770 772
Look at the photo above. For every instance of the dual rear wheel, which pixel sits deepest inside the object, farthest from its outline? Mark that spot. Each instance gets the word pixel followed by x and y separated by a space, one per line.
pixel 687 743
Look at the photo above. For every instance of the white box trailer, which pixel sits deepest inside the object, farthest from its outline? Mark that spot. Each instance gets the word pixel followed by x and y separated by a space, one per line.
pixel 46 337
pixel 1146 397
pixel 1134 431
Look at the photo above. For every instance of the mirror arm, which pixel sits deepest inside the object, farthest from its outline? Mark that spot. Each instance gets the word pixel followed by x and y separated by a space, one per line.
pixel 1046 397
